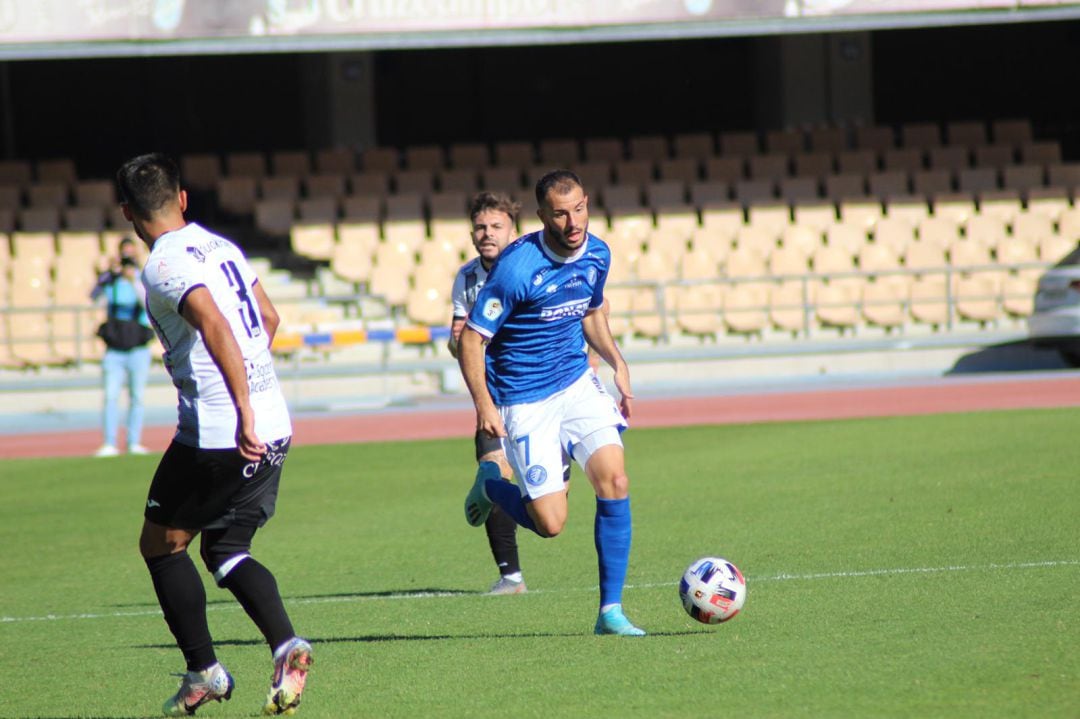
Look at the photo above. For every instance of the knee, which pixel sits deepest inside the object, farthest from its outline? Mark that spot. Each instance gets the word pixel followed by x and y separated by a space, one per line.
pixel 615 486
pixel 549 528
pixel 155 541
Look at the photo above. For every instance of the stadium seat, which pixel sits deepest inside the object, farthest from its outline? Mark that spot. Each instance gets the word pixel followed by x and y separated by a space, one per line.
pixel 79 249
pixel 908 159
pixel 38 219
pixel 394 263
pixel 710 194
pixel 685 170
pixel 603 149
pixel 417 181
pixel 237 195
pixel 814 214
pixel 445 254
pixel 846 238
pixel 1042 154
pixel 318 210
pixel 833 259
pixel 464 180
pixel 928 300
pixel 59 170
pixel 501 179
pixel 977 298
pixel 799 189
pixel 15 172
pixel 842 187
pixel 716 241
pixel 771 216
pixel 352 255
pixel 380 159
pixel 977 180
pixel 653 148
pixel 696 145
pixel 678 221
pixel 987 230
pixel 803 238
pixel 559 152
pixel 283 188
pixel 517 154
pixel 773 166
pixel 633 172
pixel 425 157
pixel 754 191
pixel 739 144
pixel 863 211
pixel 594 175
pixel 697 309
pixel 290 163
pixel 448 205
pixel 1017 251
pixel 1005 204
pixel 746 307
pixel 10 197
pixel 828 139
pixel 1048 201
pixel 920 134
pixel 894 234
pixel 621 198
pixel 1023 178
pixel 837 303
pixel 30 291
pixel 245 164
pixel 878 258
pixel 95 193
pixel 888 184
pixel 362 209
pixel 920 255
pixel 951 158
pixel 813 164
pixel 784 142
pixel 314 241
pixel 370 182
pixel 83 219
pixel 698 263
pixel 1011 132
pixel 966 254
pixel 725 169
pixel 966 134
pixel 47 194
pixel 943 232
pixel 790 305
pixel 429 305
pixel 788 262
pixel 957 206
pixel 747 260
pixel 856 162
pixel 1018 294
pixel 1032 228
pixel 664 195
pixel 722 217
pixel 657 265
pixel 330 185
pixel 909 208
pixel 884 301
pixel 995 156
pixel 1065 175
pixel 335 161
pixel 275 217
pixel 1056 247
pixel 469 155
pixel 879 138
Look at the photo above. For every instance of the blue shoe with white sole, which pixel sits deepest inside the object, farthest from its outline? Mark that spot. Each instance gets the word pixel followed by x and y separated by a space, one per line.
pixel 613 621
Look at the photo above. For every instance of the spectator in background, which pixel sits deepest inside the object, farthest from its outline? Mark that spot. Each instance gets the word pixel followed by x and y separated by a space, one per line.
pixel 127 354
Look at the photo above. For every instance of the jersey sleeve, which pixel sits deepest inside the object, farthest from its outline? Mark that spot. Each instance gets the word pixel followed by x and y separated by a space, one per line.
pixel 172 278
pixel 601 280
pixel 495 301
pixel 457 297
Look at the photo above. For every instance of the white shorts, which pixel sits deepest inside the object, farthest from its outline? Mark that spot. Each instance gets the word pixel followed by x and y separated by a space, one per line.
pixel 580 419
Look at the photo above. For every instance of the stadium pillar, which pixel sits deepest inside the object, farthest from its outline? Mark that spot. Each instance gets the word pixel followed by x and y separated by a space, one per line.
pixel 813 79
pixel 340 99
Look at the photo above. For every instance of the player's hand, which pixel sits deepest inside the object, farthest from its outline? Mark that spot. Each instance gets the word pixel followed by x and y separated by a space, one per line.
pixel 490 423
pixel 626 395
pixel 247 442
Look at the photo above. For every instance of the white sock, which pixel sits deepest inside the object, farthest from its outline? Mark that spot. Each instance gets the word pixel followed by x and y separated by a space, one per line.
pixel 515 577
pixel 608 606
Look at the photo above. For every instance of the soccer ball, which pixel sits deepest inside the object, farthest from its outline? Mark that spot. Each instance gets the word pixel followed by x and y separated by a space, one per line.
pixel 712 590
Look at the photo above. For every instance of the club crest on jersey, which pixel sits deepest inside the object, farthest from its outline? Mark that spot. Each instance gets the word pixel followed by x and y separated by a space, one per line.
pixel 574 308
pixel 493 308
pixel 538 279
pixel 591 275
pixel 535 475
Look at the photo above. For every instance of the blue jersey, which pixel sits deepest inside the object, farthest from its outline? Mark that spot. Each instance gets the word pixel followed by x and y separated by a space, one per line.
pixel 530 310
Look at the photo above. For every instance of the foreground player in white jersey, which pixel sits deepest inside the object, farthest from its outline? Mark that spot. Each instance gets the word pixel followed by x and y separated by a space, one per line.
pixel 534 389
pixel 219 476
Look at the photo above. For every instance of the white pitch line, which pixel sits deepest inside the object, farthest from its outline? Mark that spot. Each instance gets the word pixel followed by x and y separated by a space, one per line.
pixel 897 571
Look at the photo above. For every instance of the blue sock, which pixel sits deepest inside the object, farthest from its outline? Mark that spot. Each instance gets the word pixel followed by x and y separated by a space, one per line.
pixel 612 535
pixel 508 497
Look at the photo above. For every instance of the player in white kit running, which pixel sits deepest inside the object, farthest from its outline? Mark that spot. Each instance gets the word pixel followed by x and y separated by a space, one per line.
pixel 219 476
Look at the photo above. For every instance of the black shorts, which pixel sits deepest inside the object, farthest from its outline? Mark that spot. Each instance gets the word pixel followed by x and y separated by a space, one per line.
pixel 215 488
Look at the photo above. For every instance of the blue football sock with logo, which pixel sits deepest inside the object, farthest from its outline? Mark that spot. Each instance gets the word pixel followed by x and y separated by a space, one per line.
pixel 611 533
pixel 508 497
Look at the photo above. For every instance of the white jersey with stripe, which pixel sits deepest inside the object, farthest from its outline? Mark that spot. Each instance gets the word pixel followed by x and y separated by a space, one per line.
pixel 180 262
pixel 470 278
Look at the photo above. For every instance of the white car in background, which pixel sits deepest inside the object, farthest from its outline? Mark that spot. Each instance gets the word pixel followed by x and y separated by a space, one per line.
pixel 1055 322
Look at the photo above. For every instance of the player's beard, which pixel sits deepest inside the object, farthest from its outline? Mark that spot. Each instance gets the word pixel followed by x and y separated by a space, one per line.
pixel 563 241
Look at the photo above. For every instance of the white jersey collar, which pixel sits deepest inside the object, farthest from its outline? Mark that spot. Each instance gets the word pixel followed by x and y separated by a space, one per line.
pixel 559 258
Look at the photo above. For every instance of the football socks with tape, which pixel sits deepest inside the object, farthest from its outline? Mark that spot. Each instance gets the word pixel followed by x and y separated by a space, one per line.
pixel 502 537
pixel 257 591
pixel 611 533
pixel 180 593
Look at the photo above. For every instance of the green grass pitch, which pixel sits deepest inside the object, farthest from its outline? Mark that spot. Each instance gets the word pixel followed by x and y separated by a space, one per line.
pixel 896 567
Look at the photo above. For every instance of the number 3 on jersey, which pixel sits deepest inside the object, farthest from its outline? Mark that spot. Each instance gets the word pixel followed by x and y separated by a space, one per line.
pixel 249 319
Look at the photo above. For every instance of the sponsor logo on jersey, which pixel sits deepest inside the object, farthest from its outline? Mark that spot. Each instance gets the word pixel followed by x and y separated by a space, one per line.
pixel 535 475
pixel 493 308
pixel 197 253
pixel 574 308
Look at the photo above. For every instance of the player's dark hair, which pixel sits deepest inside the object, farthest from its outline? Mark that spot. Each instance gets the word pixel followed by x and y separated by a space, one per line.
pixel 148 183
pixel 562 181
pixel 497 201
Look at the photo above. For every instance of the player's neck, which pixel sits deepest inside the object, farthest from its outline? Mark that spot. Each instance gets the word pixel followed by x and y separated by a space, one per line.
pixel 153 231
pixel 487 264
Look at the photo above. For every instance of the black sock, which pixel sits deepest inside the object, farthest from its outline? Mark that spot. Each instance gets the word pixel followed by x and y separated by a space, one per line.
pixel 182 598
pixel 502 536
pixel 256 589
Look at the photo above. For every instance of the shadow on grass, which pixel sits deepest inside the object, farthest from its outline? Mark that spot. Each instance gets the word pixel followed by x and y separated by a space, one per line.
pixel 419 593
pixel 375 638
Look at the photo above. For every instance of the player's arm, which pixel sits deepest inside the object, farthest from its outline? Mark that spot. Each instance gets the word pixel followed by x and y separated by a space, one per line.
pixel 598 335
pixel 474 370
pixel 457 324
pixel 203 314
pixel 270 317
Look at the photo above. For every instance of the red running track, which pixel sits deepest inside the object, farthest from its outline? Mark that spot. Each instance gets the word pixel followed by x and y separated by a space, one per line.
pixel 940 396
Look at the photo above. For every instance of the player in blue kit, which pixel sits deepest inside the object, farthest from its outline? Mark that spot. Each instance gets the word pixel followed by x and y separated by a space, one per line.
pixel 539 311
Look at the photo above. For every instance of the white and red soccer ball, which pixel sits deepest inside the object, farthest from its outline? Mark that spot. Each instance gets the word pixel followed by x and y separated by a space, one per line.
pixel 712 590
